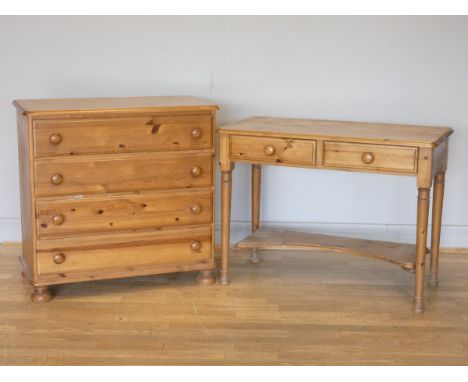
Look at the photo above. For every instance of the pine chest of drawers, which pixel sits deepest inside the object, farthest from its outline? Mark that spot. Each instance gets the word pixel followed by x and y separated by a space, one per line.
pixel 115 187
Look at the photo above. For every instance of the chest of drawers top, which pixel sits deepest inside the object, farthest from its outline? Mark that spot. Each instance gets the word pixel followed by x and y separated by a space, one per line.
pixel 76 106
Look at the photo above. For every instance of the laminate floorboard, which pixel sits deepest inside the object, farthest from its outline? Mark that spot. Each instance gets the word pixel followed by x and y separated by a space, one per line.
pixel 294 308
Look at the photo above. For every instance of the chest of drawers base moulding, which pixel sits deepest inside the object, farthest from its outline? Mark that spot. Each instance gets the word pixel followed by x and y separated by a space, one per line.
pixel 115 187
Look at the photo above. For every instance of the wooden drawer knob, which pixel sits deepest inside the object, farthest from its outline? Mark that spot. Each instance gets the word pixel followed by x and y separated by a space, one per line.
pixel 58 219
pixel 196 245
pixel 197 133
pixel 55 139
pixel 56 179
pixel 367 158
pixel 196 209
pixel 196 171
pixel 59 258
pixel 269 150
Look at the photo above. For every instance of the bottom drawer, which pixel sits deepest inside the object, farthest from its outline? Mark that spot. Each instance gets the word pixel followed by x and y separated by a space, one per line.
pixel 124 251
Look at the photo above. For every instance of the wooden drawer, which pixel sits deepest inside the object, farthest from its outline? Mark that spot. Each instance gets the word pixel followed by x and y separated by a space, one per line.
pixel 119 212
pixel 122 172
pixel 116 135
pixel 278 150
pixel 377 157
pixel 124 251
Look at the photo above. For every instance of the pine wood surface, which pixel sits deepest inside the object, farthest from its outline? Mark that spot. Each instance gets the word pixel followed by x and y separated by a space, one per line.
pixel 117 104
pixel 420 151
pixel 399 254
pixel 136 171
pixel 126 258
pixel 293 308
pixel 383 157
pixel 95 213
pixel 119 135
pixel 281 150
pixel 382 133
pixel 129 175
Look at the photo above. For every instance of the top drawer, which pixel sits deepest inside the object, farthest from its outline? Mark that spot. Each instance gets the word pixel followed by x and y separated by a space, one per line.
pixel 118 135
pixel 367 156
pixel 278 150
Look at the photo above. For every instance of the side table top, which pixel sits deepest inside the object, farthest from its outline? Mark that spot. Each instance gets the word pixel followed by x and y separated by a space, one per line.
pixel 365 132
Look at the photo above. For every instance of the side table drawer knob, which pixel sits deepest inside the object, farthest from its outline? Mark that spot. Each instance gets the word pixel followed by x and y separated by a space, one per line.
pixel 367 158
pixel 56 179
pixel 269 150
pixel 55 139
pixel 59 258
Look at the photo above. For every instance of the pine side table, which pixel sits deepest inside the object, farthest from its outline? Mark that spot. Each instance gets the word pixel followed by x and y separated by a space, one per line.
pixel 419 151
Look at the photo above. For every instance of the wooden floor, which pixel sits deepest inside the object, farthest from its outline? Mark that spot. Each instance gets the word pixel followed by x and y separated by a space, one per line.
pixel 294 308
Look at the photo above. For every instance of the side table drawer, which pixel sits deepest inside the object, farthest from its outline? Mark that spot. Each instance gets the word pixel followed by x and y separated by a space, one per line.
pixel 377 157
pixel 120 135
pixel 120 212
pixel 278 150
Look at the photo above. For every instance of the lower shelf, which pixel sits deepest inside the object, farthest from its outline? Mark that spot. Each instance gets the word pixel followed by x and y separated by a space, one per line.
pixel 403 255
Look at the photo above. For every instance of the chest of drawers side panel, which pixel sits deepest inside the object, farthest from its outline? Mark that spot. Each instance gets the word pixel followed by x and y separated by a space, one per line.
pixel 28 225
pixel 213 177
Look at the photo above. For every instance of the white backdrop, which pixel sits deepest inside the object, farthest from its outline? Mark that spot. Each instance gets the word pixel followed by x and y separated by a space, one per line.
pixel 389 69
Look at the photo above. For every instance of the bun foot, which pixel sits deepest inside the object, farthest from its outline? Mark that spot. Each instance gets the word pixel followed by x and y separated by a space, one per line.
pixel 41 294
pixel 255 257
pixel 206 278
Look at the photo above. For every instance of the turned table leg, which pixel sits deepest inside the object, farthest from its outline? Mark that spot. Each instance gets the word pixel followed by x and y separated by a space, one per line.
pixel 41 294
pixel 256 187
pixel 226 187
pixel 438 199
pixel 421 241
